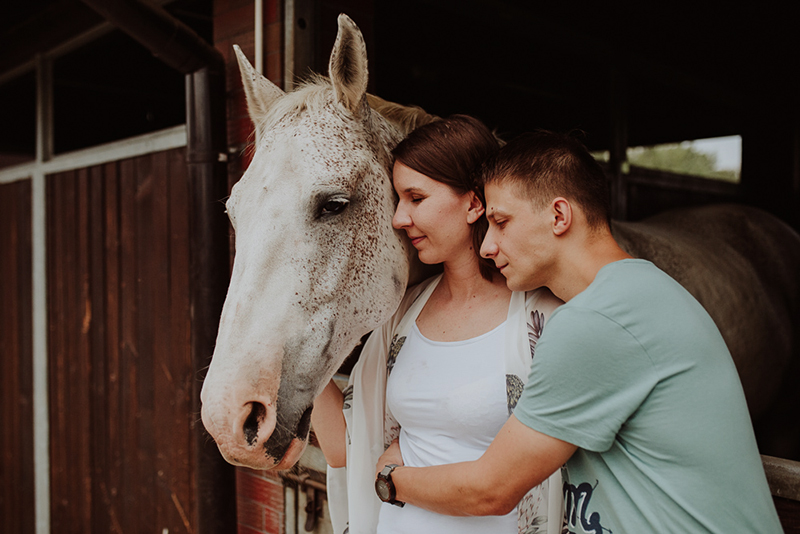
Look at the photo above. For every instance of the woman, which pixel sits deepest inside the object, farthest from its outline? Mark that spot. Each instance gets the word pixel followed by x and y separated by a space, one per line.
pixel 444 374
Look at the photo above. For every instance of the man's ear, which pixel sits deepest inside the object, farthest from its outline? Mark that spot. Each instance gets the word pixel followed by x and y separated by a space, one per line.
pixel 562 214
pixel 476 208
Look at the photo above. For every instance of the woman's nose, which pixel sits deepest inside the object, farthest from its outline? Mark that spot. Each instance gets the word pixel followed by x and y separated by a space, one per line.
pixel 400 218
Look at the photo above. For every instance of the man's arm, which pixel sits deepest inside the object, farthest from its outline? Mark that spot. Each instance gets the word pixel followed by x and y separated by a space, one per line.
pixel 518 459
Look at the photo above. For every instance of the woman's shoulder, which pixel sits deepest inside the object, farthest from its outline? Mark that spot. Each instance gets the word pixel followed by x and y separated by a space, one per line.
pixel 543 299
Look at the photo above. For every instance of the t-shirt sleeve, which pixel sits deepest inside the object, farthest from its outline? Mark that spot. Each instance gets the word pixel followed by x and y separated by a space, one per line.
pixel 589 375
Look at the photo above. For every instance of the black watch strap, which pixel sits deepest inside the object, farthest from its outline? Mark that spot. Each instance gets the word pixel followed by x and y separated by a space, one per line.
pixel 384 485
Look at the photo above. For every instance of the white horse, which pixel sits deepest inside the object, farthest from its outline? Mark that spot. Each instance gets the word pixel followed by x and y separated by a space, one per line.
pixel 318 264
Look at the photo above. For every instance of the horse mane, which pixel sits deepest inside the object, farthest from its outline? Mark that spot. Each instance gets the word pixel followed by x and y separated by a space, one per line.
pixel 404 118
pixel 315 92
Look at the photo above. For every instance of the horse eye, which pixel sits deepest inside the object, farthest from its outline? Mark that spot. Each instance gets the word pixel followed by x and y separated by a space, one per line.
pixel 333 207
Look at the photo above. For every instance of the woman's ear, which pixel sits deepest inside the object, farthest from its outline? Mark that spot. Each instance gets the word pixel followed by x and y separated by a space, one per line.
pixel 476 208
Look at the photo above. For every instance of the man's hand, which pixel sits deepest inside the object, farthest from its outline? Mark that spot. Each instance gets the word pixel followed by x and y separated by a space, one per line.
pixel 518 459
pixel 391 455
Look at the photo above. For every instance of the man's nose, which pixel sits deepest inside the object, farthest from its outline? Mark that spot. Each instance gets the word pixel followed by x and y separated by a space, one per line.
pixel 489 247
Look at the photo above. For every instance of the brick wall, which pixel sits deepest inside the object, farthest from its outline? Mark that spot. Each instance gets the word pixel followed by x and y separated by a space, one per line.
pixel 259 501
pixel 259 494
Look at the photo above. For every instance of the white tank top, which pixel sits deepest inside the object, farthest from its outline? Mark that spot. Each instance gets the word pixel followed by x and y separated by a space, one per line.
pixel 450 401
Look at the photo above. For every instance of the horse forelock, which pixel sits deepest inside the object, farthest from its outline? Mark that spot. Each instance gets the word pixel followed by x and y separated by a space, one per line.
pixel 315 94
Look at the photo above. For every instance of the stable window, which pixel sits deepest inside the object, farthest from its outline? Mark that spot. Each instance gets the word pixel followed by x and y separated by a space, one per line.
pixel 112 89
pixel 18 120
pixel 718 158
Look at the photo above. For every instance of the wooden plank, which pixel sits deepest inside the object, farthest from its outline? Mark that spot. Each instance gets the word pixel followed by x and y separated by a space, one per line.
pixel 172 418
pixel 98 381
pixel 110 486
pixel 145 292
pixel 682 182
pixel 128 399
pixel 25 458
pixel 162 378
pixel 82 428
pixel 16 382
pixel 56 282
pixel 180 339
pixel 9 366
pixel 783 477
pixel 67 514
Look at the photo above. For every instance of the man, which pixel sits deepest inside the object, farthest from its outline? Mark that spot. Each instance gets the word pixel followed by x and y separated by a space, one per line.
pixel 632 388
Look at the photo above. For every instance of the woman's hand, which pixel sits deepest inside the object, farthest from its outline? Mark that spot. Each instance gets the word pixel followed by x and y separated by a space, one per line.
pixel 391 455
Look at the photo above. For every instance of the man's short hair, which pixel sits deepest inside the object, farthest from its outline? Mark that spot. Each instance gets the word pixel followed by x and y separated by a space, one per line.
pixel 545 165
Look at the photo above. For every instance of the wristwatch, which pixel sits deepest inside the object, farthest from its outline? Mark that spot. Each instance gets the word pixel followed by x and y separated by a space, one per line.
pixel 384 486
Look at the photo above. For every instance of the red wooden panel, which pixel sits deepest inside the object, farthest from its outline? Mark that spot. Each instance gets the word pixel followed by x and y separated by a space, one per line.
pixel 101 509
pixel 16 383
pixel 112 460
pixel 70 324
pixel 181 455
pixel 128 398
pixel 121 374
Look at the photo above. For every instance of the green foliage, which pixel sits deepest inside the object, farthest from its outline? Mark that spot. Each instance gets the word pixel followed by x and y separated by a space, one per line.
pixel 680 158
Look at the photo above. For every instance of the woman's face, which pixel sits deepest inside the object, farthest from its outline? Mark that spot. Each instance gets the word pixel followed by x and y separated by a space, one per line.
pixel 436 218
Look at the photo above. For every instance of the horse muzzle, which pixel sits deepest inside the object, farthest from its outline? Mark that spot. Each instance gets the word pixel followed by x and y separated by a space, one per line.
pixel 258 435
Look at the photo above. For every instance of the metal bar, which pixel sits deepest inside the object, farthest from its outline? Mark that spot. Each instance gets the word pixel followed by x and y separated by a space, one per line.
pixel 166 139
pixel 305 480
pixel 288 45
pixel 259 35
pixel 41 410
pixel 619 145
pixel 209 257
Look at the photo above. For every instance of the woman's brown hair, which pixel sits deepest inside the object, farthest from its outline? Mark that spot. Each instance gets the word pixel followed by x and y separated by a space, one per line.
pixel 451 151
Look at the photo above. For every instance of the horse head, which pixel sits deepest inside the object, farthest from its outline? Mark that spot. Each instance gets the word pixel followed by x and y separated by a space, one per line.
pixel 317 262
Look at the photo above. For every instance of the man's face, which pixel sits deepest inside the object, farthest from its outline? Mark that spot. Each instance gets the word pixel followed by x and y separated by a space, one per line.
pixel 520 237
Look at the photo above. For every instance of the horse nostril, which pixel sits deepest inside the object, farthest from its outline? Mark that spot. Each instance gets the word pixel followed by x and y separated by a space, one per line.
pixel 257 414
pixel 304 425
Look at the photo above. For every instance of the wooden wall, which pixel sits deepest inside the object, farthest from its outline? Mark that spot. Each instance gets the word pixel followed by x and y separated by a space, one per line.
pixel 16 374
pixel 119 354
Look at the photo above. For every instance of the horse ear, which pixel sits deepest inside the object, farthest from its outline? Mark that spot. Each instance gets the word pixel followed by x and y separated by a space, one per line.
pixel 260 92
pixel 348 65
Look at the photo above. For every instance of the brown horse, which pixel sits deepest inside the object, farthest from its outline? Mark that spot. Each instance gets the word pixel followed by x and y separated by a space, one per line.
pixel 318 265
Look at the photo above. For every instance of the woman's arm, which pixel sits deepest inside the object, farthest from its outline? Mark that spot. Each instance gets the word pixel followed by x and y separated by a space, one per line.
pixel 327 420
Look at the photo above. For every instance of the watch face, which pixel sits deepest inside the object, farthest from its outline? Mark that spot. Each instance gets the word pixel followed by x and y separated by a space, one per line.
pixel 383 490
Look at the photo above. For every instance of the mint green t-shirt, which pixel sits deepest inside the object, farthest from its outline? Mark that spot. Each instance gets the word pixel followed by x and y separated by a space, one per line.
pixel 636 374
